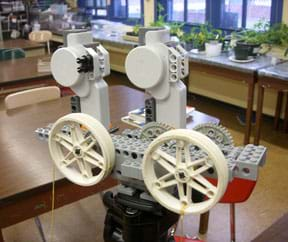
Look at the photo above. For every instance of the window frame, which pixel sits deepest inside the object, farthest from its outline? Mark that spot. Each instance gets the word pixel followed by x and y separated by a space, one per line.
pixel 126 20
pixel 213 13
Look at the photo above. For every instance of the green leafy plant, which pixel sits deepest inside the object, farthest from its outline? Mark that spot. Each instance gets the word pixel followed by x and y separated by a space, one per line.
pixel 176 29
pixel 160 22
pixel 255 36
pixel 277 35
pixel 136 29
pixel 198 36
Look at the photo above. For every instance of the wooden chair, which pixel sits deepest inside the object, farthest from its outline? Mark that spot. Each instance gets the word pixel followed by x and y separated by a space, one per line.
pixel 27 97
pixel 42 36
pixel 31 96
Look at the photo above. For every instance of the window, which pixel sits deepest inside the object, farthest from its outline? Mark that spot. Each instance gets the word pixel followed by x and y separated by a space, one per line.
pixel 257 9
pixel 176 10
pixel 134 9
pixel 117 10
pixel 226 14
pixel 191 11
pixel 196 11
pixel 101 8
pixel 231 14
pixel 236 14
pixel 120 10
pixel 127 9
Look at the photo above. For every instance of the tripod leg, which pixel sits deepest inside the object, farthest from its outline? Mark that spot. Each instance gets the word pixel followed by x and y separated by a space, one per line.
pixel 203 227
pixel 232 222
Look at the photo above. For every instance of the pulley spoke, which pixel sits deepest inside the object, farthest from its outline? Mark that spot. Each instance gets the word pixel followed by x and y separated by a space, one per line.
pixel 201 189
pixel 205 183
pixel 64 143
pixel 166 165
pixel 196 162
pixel 179 152
pixel 200 170
pixel 88 169
pixel 181 193
pixel 97 163
pixel 167 184
pixel 68 161
pixel 187 154
pixel 76 134
pixel 61 136
pixel 94 155
pixel 81 167
pixel 165 177
pixel 166 157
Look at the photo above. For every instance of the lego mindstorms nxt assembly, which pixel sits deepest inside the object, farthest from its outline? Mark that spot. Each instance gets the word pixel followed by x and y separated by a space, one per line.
pixel 164 169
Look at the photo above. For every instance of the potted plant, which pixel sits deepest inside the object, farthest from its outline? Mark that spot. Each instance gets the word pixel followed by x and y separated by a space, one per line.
pixel 248 42
pixel 214 43
pixel 134 34
pixel 276 39
pixel 198 36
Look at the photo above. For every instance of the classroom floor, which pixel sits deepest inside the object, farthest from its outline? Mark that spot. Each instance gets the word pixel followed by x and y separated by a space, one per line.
pixel 84 220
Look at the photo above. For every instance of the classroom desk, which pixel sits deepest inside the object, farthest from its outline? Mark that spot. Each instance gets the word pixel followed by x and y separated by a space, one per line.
pixel 275 77
pixel 31 48
pixel 222 67
pixel 19 73
pixel 26 167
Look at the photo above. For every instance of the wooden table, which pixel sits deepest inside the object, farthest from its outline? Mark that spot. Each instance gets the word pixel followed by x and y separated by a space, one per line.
pixel 19 73
pixel 26 166
pixel 31 48
pixel 275 77
pixel 221 67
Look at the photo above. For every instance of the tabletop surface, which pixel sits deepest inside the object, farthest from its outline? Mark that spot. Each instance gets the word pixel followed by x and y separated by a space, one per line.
pixel 20 43
pixel 279 71
pixel 25 160
pixel 223 61
pixel 19 70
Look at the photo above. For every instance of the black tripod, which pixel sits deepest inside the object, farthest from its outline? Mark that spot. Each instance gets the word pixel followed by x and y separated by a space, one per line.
pixel 132 219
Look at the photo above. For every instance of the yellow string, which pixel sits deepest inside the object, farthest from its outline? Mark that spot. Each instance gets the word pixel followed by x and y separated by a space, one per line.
pixel 182 213
pixel 52 205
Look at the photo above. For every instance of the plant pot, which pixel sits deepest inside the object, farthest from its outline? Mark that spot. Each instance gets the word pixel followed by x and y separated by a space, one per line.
pixel 132 34
pixel 213 49
pixel 201 47
pixel 188 46
pixel 242 52
pixel 253 48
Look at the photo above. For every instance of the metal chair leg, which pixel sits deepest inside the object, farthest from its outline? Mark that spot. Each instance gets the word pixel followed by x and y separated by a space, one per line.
pixel 232 222
pixel 40 228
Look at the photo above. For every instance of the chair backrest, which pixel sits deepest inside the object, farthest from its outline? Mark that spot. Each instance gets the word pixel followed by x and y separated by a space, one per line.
pixel 10 54
pixel 40 36
pixel 31 96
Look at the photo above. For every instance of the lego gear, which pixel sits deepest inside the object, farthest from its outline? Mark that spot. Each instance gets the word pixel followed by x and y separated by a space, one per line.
pixel 171 179
pixel 83 159
pixel 219 134
pixel 152 130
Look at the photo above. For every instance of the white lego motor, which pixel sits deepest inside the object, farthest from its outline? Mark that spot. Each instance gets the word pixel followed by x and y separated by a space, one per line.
pixel 159 67
pixel 82 66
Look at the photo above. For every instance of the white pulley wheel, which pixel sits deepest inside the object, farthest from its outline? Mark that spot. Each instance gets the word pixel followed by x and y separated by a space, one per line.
pixel 85 153
pixel 181 173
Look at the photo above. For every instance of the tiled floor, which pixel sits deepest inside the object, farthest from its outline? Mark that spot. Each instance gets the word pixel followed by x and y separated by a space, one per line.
pixel 83 221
